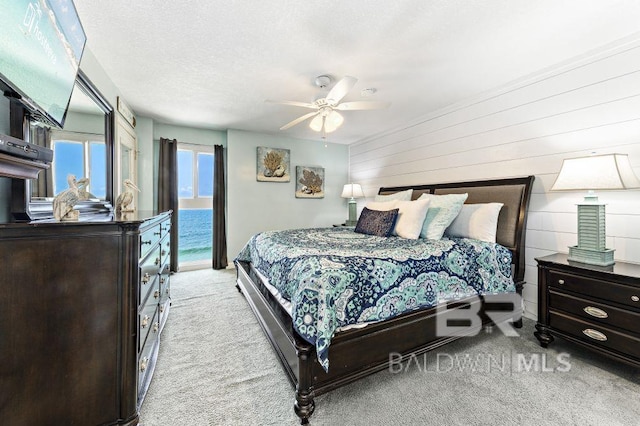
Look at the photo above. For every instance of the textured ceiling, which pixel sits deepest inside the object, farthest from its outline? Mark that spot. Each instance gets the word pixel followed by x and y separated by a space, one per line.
pixel 212 64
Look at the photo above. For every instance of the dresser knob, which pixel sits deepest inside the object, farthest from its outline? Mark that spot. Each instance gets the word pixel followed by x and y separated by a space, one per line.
pixel 146 278
pixel 560 282
pixel 595 334
pixel 143 363
pixel 156 327
pixel 145 321
pixel 156 294
pixel 595 312
pixel 635 298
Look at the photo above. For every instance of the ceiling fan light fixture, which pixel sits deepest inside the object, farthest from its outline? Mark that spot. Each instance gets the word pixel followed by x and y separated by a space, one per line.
pixel 333 121
pixel 316 123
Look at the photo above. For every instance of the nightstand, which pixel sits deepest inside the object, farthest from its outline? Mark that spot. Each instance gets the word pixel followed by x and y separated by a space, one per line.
pixel 597 307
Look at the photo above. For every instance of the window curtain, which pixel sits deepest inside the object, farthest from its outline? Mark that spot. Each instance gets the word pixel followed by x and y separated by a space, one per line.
pixel 168 191
pixel 219 234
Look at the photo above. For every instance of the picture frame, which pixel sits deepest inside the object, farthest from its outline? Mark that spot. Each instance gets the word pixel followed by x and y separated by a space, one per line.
pixel 309 182
pixel 272 165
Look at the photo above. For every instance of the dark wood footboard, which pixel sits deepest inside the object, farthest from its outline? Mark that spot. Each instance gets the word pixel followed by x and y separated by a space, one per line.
pixel 354 353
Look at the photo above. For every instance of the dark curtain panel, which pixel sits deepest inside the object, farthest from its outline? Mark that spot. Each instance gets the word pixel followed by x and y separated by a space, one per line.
pixel 42 137
pixel 219 234
pixel 168 191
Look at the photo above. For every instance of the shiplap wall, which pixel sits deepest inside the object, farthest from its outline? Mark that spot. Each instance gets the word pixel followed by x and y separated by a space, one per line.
pixel 590 104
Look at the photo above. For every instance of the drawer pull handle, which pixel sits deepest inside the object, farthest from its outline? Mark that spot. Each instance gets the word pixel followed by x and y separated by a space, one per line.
pixel 146 278
pixel 157 261
pixel 156 233
pixel 156 294
pixel 156 327
pixel 595 334
pixel 146 242
pixel 635 298
pixel 145 321
pixel 595 312
pixel 143 363
pixel 560 282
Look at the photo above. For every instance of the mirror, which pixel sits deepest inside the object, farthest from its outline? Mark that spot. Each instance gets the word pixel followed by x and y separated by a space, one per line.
pixel 84 147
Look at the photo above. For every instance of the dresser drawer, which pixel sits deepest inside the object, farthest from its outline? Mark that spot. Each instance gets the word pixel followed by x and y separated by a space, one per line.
pixel 608 291
pixel 146 362
pixel 595 311
pixel 146 316
pixel 595 334
pixel 149 240
pixel 148 274
pixel 165 250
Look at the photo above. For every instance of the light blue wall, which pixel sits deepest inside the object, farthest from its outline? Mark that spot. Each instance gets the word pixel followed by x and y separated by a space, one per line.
pixel 259 206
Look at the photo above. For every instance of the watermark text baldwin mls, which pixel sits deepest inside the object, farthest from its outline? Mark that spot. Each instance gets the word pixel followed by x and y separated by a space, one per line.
pixel 481 363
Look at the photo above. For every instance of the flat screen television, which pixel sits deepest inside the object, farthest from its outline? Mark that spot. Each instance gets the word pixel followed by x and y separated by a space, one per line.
pixel 41 45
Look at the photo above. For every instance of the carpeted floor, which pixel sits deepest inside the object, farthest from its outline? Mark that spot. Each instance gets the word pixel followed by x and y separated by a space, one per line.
pixel 216 367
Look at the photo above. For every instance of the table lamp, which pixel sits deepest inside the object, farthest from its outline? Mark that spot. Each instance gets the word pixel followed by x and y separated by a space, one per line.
pixel 352 191
pixel 610 171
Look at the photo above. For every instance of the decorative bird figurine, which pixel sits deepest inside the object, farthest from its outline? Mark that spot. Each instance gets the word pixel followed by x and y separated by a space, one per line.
pixel 63 202
pixel 82 184
pixel 124 202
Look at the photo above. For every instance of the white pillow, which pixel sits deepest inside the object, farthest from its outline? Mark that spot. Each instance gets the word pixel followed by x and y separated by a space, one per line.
pixel 402 196
pixel 411 216
pixel 477 221
pixel 442 210
pixel 381 205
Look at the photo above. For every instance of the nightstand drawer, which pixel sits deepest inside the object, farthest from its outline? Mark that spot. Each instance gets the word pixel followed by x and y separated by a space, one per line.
pixel 595 334
pixel 595 311
pixel 605 290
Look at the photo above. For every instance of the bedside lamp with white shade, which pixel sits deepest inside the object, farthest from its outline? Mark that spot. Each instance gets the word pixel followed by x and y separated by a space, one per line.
pixel 352 191
pixel 598 172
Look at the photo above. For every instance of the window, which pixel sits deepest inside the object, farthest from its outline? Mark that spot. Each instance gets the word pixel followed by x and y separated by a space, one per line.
pixel 195 204
pixel 82 155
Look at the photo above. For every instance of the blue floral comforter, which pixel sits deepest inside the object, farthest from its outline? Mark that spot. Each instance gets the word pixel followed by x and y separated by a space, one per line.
pixel 335 277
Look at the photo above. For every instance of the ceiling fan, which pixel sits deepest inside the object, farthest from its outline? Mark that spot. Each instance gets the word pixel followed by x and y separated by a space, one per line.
pixel 326 117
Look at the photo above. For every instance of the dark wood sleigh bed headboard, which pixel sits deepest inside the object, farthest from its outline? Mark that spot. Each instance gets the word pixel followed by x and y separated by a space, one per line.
pixel 514 193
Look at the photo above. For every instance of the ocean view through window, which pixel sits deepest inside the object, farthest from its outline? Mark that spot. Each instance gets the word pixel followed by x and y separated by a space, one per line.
pixel 195 205
pixel 194 234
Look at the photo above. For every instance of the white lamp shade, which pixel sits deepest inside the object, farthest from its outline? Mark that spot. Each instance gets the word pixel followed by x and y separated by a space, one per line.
pixel 333 121
pixel 316 123
pixel 610 171
pixel 352 190
pixel 329 120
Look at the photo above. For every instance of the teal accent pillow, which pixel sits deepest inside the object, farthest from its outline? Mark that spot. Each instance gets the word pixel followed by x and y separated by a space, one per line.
pixel 376 222
pixel 402 196
pixel 443 209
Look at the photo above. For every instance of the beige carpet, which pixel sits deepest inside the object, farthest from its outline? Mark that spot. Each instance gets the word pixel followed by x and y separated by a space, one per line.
pixel 216 367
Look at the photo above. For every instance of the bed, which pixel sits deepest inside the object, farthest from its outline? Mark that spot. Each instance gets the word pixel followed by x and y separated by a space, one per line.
pixel 344 351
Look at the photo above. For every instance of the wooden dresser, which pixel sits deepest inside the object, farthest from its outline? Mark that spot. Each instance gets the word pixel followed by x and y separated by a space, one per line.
pixel 82 306
pixel 595 306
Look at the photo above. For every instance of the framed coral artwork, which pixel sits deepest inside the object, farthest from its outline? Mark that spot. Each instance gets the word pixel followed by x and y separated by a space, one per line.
pixel 272 165
pixel 309 182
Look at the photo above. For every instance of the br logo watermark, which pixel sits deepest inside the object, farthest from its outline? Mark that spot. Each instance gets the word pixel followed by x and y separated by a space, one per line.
pixel 465 318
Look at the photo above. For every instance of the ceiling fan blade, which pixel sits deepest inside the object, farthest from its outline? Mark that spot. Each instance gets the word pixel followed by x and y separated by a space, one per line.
pixel 293 103
pixel 341 89
pixel 298 120
pixel 361 105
